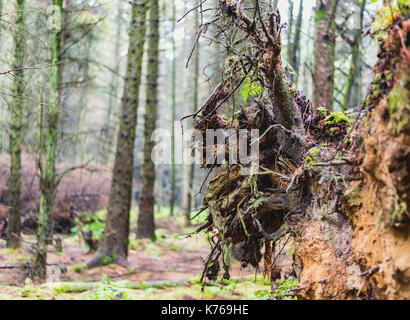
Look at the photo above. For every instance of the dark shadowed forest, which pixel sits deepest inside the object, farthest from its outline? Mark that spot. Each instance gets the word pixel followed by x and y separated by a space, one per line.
pixel 204 150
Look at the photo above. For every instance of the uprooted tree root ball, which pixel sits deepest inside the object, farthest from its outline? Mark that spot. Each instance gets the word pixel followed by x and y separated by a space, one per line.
pixel 309 161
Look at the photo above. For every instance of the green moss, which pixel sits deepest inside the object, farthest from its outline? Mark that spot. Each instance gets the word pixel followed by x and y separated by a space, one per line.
pixel 404 6
pixel 174 247
pixel 377 78
pixel 399 210
pixel 376 90
pixel 79 268
pixel 322 111
pixel 382 20
pixel 8 251
pixel 21 260
pixel 28 291
pixel 106 260
pixel 315 152
pixel 132 271
pixel 320 14
pixel 399 108
pixel 353 196
pixel 71 288
pixel 337 118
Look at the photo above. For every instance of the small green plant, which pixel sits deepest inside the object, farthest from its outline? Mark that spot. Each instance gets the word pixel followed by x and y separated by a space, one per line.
pixel 262 295
pixel 109 291
pixel 28 291
pixel 312 157
pixel 160 233
pixel 400 209
pixel 174 247
pixel 251 88
pixel 79 268
pixel 322 111
pixel 106 260
pixel 89 223
pixel 283 291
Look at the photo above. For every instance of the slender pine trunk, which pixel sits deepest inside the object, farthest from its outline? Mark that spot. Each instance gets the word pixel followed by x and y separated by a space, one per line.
pixel 14 223
pixel 146 223
pixel 114 244
pixel 294 58
pixel 325 43
pixel 106 140
pixel 353 79
pixel 290 31
pixel 80 140
pixel 275 5
pixel 191 167
pixel 47 183
pixel 173 106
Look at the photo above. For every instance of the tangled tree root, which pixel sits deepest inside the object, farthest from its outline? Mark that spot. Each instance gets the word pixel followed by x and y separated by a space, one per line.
pixel 308 158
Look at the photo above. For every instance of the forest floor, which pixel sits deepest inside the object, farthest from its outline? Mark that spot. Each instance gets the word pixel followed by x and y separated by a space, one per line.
pixel 169 268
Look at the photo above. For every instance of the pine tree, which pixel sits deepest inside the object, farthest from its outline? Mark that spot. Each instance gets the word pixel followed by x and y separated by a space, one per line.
pixel 114 244
pixel 14 224
pixel 146 223
pixel 173 106
pixel 325 42
pixel 47 182
pixel 353 78
pixel 191 168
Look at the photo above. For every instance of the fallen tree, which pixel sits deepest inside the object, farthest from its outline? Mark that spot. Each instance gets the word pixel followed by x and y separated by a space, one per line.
pixel 81 190
pixel 336 184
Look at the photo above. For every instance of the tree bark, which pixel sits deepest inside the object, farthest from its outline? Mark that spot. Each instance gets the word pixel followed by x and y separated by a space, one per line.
pixel 80 139
pixel 106 137
pixel 173 107
pixel 114 244
pixel 294 56
pixel 14 222
pixel 325 41
pixel 187 208
pixel 47 180
pixel 353 79
pixel 146 223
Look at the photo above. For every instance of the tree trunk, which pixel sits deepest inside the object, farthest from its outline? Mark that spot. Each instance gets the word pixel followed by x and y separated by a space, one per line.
pixel 290 30
pixel 325 42
pixel 191 167
pixel 114 244
pixel 275 5
pixel 146 223
pixel 47 183
pixel 106 137
pixel 80 138
pixel 353 79
pixel 294 57
pixel 173 106
pixel 14 223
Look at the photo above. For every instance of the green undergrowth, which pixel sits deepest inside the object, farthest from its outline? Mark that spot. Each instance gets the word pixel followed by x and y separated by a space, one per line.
pixel 107 289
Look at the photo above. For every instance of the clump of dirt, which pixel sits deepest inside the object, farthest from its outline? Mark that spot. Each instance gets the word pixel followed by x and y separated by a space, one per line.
pixel 373 214
pixel 380 207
